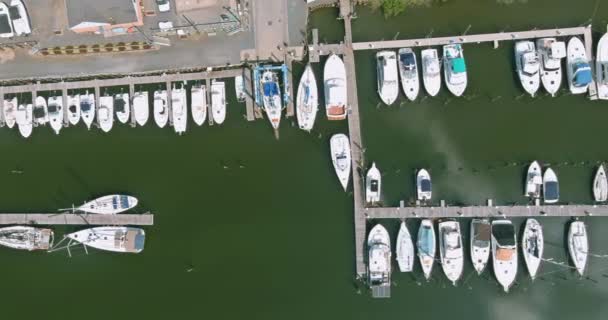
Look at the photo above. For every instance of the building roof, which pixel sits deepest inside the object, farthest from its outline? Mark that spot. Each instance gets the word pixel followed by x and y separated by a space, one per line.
pixel 95 12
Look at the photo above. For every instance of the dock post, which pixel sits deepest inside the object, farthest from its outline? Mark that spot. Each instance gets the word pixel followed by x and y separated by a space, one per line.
pixel 131 96
pixel 209 110
pixel 64 97
pixel 169 102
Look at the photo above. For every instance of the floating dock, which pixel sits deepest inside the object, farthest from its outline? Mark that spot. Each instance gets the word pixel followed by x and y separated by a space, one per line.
pixel 146 219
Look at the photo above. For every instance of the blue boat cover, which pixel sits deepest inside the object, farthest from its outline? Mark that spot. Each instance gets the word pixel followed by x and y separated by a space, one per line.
pixel 124 201
pixel 407 58
pixel 114 203
pixel 426 241
pixel 85 106
pixel 425 185
pixel 458 65
pixel 582 74
pixel 271 89
pixel 551 190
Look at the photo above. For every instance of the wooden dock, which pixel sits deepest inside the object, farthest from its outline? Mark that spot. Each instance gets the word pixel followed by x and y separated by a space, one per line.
pixel 146 219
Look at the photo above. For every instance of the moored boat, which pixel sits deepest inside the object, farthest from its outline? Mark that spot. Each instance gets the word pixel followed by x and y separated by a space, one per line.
pixel 334 81
pixel 141 107
pixel 110 204
pixel 551 54
pixel 601 67
pixel 239 87
pixel 480 243
pixel 8 112
pixel 198 106
pixel 504 252
pixel 532 246
pixel 431 71
pixel 116 239
pixel 578 245
pixel 379 259
pixel 534 181
pixel 408 69
pixel 307 102
pixel 122 107
pixel 528 66
pixel 373 185
pixel 73 109
pixel 87 109
pixel 405 249
pixel 341 157
pixel 25 119
pixel 26 238
pixel 179 110
pixel 271 95
pixel 454 69
pixel 387 77
pixel 161 111
pixel 40 111
pixel 550 186
pixel 105 113
pixel 600 185
pixel 423 185
pixel 579 71
pixel 426 246
pixel 55 113
pixel 218 101
pixel 450 250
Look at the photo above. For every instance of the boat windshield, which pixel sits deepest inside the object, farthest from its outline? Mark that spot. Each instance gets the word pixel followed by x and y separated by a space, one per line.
pixel 582 74
pixel 426 241
pixel 52 108
pixel 603 72
pixel 72 108
pixel 374 186
pixel 39 112
pixel 458 65
pixel 425 185
pixel 551 190
pixel 119 104
pixel 481 234
pixel 14 12
pixel 504 233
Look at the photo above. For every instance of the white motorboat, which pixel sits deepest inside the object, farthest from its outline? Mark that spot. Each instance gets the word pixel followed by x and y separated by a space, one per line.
pixel 423 185
pixel 26 238
pixel 426 246
pixel 40 112
pixel 550 186
pixel 87 109
pixel 532 245
pixel 55 112
pixel 141 107
pixel 504 252
pixel 161 111
pixel 5 18
pixel 408 69
pixel 579 71
pixel 578 245
pixel 20 18
pixel 379 266
pixel 179 110
pixel 454 69
pixel 218 101
pixel 110 204
pixel 450 250
pixel 8 111
pixel 25 119
pixel 388 78
pixel 431 71
pixel 341 157
pixel 334 81
pixel 534 181
pixel 481 233
pixel 198 96
pixel 105 113
pixel 600 185
pixel 239 88
pixel 405 249
pixel 373 185
pixel 271 95
pixel 528 66
pixel 73 109
pixel 307 102
pixel 601 67
pixel 122 107
pixel 116 239
pixel 551 54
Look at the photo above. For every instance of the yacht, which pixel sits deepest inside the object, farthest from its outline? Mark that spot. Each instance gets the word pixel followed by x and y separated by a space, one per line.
pixel 551 54
pixel 528 66
pixel 122 107
pixel 8 111
pixel 87 108
pixel 550 186
pixel 40 112
pixel 534 181
pixel 388 79
pixel 454 69
pixel 600 185
pixel 423 185
pixel 26 238
pixel 480 243
pixel 218 101
pixel 141 108
pixel 431 71
pixel 450 250
pixel 116 239
pixel 405 249
pixel 110 204
pixel 307 102
pixel 271 94
pixel 373 185
pixel 55 112
pixel 198 96
pixel 379 263
pixel 20 18
pixel 340 156
pixel 334 81
pixel 105 113
pixel 578 245
pixel 179 110
pixel 426 246
pixel 532 245
pixel 408 69
pixel 239 87
pixel 601 67
pixel 504 252
pixel 161 111
pixel 73 109
pixel 25 119
pixel 579 71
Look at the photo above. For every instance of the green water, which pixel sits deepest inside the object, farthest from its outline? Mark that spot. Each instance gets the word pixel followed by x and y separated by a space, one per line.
pixel 262 224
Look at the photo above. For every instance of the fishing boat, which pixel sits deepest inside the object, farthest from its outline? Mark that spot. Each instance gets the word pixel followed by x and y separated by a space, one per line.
pixel 8 111
pixel 504 252
pixel 450 250
pixel 239 88
pixel 379 266
pixel 340 156
pixel 218 101
pixel 388 78
pixel 578 245
pixel 26 238
pixel 25 119
pixel 405 249
pixel 161 111
pixel 423 185
pixel 601 67
pixel 600 185
pixel 110 204
pixel 454 69
pixel 532 245
pixel 73 109
pixel 105 113
pixel 408 69
pixel 271 94
pixel 55 112
pixel 122 107
pixel 550 186
pixel 141 107
pixel 40 112
pixel 116 239
pixel 179 110
pixel 307 102
pixel 534 181
pixel 528 66
pixel 334 81
pixel 426 246
pixel 87 109
pixel 579 71
pixel 373 185
pixel 431 71
pixel 480 243
pixel 551 54
pixel 198 97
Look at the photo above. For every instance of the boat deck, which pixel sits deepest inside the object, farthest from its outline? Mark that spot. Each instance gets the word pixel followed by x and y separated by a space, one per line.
pixel 146 219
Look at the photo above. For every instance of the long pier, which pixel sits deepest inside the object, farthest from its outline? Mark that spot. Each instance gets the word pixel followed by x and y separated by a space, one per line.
pixel 146 219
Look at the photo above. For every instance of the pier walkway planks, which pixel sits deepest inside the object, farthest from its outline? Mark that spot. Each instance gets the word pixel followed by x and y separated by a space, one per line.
pixel 76 219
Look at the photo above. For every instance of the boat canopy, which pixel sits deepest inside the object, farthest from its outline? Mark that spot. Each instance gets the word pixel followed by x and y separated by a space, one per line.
pixel 14 12
pixel 458 65
pixel 451 239
pixel 481 233
pixel 426 241
pixel 52 108
pixel 85 106
pixel 39 112
pixel 374 185
pixel 271 89
pixel 119 104
pixel 504 234
pixel 425 185
pixel 408 60
pixel 551 190
pixel 582 74
pixel 530 62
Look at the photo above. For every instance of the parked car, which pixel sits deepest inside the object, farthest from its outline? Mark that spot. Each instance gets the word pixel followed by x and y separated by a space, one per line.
pixel 6 27
pixel 163 5
pixel 21 21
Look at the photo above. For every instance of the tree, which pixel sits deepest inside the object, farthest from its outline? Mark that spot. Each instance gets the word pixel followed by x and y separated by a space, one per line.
pixel 391 8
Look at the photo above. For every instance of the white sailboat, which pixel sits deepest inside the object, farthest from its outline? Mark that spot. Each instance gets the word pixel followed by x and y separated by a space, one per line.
pixel 454 69
pixel 373 185
pixel 481 235
pixel 408 70
pixel 122 107
pixel 528 66
pixel 388 78
pixel 239 87
pixel 423 185
pixel 8 112
pixel 426 246
pixel 532 245
pixel 504 252
pixel 141 107
pixel 450 250
pixel 307 102
pixel 271 95
pixel 431 71
pixel 551 54
pixel 578 245
pixel 105 113
pixel 600 185
pixel 579 71
pixel 405 249
pixel 550 186
pixel 116 239
pixel 110 204
pixel 601 67
pixel 25 119
pixel 26 238
pixel 341 157
pixel 198 96
pixel 334 81
pixel 87 108
pixel 40 112
pixel 73 109
pixel 179 110
pixel 161 111
pixel 218 101
pixel 534 181
pixel 55 112
pixel 379 266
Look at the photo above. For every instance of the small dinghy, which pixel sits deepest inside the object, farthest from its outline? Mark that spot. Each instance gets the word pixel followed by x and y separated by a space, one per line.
pixel 532 245
pixel 551 54
pixel 198 96
pixel 87 109
pixel 26 238
pixel 161 112
pixel 307 103
pixel 408 69
pixel 373 185
pixel 340 156
pixel 579 71
pixel 504 252
pixel 450 250
pixel 379 266
pixel 423 185
pixel 110 204
pixel 40 112
pixel 8 112
pixel 141 108
pixel 426 246
pixel 73 109
pixel 239 87
pixel 271 95
pixel 25 119
pixel 105 113
pixel 388 78
pixel 334 82
pixel 116 239
pixel 454 69
pixel 218 101
pixel 55 112
pixel 431 71
pixel 122 107
pixel 601 67
pixel 480 243
pixel 179 110
pixel 550 186
pixel 534 181
pixel 405 249
pixel 528 66
pixel 600 185
pixel 578 245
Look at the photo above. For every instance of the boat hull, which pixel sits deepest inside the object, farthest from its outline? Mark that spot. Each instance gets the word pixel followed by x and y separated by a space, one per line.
pixel 532 246
pixel 480 244
pixel 218 102
pixel 26 238
pixel 341 157
pixel 110 204
pixel 55 117
pixel 141 108
pixel 24 120
pixel 426 246
pixel 550 186
pixel 423 185
pixel 105 113
pixel 578 245
pixel 179 110
pixel 123 116
pixel 576 53
pixel 373 185
pixel 534 181
pixel 431 71
pixel 379 256
pixel 198 95
pixel 530 81
pixel 601 68
pixel 307 103
pixel 600 185
pixel 334 81
pixel 88 116
pixel 504 258
pixel 387 77
pixel 550 67
pixel 115 239
pixel 450 250
pixel 455 80
pixel 8 112
pixel 405 249
pixel 73 110
pixel 161 110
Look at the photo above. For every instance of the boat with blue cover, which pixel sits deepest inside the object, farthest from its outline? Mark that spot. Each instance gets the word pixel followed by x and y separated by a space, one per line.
pixel 110 204
pixel 426 246
pixel 272 98
pixel 454 69
pixel 579 70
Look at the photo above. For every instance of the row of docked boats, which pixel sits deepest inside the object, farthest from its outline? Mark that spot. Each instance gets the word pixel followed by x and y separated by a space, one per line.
pixel 496 239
